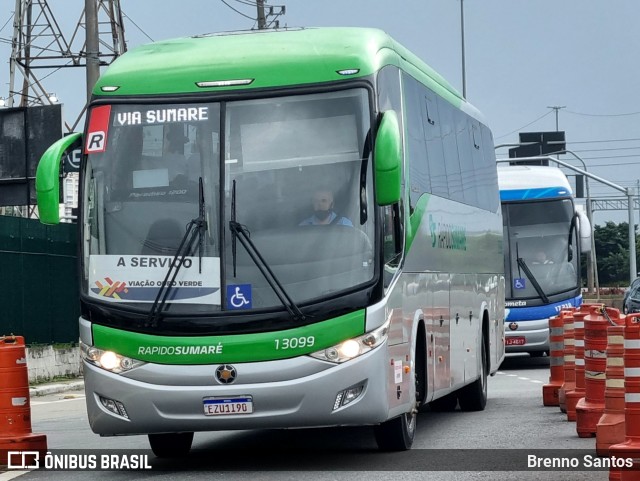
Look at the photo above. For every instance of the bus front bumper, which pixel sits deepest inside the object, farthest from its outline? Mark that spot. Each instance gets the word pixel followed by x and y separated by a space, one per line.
pixel 171 398
pixel 528 336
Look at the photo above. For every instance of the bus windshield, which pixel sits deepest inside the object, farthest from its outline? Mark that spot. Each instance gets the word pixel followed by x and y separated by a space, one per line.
pixel 540 249
pixel 289 170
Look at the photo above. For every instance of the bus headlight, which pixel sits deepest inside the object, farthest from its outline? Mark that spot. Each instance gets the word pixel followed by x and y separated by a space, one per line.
pixel 108 360
pixel 354 347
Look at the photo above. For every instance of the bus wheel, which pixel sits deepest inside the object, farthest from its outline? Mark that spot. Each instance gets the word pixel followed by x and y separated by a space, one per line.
pixel 445 403
pixel 170 445
pixel 397 434
pixel 474 396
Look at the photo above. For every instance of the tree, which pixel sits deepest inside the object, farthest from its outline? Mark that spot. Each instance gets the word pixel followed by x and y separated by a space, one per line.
pixel 612 253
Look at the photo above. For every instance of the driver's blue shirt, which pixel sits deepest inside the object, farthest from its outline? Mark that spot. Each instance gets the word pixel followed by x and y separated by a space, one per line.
pixel 313 220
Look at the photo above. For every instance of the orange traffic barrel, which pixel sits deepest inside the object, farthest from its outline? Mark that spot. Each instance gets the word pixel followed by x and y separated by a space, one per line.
pixel 610 427
pixel 15 408
pixel 568 361
pixel 556 359
pixel 589 409
pixel 630 448
pixel 572 397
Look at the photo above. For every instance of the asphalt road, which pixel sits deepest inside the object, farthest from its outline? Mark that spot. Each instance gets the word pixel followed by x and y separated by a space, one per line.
pixel 449 446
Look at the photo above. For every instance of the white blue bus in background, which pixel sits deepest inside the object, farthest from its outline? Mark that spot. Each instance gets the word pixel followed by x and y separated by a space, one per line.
pixel 544 234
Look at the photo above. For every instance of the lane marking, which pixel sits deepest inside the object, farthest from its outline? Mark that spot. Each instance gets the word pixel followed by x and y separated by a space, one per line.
pixel 521 378
pixel 6 476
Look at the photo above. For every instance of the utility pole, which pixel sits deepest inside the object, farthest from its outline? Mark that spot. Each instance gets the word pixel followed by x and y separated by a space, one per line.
pixel 262 20
pixel 632 238
pixel 634 227
pixel 268 17
pixel 557 108
pixel 464 75
pixel 92 52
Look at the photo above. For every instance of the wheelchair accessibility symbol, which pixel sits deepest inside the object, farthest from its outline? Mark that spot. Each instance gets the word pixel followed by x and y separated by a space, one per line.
pixel 239 296
pixel 519 283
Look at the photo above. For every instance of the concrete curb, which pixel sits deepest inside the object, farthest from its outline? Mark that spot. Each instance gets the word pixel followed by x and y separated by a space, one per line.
pixel 55 388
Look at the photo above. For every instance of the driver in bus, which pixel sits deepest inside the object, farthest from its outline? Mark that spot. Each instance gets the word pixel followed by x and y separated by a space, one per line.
pixel 541 258
pixel 323 213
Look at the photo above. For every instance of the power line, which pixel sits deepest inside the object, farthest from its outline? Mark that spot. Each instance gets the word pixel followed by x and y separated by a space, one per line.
pixel 624 182
pixel 504 156
pixel 601 115
pixel 248 2
pixel 136 25
pixel 6 23
pixel 524 126
pixel 596 141
pixel 266 17
pixel 612 157
pixel 612 164
pixel 607 150
pixel 238 11
pixel 633 163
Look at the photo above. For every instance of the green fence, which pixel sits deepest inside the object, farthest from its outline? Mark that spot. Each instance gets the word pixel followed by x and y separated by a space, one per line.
pixel 38 281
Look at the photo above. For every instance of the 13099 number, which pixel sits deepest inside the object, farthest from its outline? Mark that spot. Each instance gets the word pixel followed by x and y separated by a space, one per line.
pixel 294 342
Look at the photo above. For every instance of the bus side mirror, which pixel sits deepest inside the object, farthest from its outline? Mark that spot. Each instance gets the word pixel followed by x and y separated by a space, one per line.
pixel 48 178
pixel 388 160
pixel 584 232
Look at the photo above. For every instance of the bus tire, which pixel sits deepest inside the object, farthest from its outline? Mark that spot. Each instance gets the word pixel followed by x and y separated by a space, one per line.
pixel 170 445
pixel 473 397
pixel 444 404
pixel 397 434
pixel 421 369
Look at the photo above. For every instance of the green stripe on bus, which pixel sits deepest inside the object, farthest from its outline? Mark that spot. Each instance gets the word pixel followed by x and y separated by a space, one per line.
pixel 265 346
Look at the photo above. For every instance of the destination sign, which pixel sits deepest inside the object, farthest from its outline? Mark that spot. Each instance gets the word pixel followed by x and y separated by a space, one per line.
pixel 162 116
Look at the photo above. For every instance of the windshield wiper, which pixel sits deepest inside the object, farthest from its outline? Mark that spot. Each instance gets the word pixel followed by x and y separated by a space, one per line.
pixel 202 223
pixel 241 233
pixel 195 228
pixel 534 281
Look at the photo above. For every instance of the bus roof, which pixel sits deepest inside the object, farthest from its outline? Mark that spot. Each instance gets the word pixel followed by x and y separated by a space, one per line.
pixel 522 182
pixel 271 58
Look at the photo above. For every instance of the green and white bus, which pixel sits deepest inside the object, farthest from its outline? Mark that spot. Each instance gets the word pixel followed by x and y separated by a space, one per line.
pixel 210 302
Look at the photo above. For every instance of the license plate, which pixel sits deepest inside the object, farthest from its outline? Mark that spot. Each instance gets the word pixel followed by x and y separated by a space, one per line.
pixel 223 406
pixel 515 341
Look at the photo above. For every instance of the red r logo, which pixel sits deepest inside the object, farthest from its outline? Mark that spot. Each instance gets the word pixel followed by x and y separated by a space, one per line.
pixel 96 142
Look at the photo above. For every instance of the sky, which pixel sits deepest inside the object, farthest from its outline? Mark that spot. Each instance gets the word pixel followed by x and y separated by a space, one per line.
pixel 522 57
